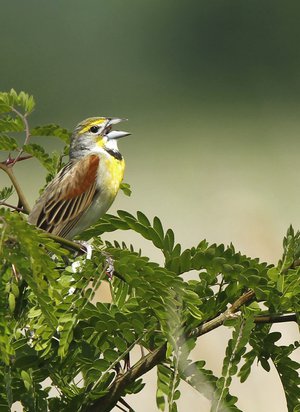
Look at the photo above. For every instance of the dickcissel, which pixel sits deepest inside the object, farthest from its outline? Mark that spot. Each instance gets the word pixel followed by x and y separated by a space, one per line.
pixel 87 185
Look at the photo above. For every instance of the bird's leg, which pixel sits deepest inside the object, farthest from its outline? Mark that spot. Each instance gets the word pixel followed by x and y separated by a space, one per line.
pixel 110 267
pixel 87 248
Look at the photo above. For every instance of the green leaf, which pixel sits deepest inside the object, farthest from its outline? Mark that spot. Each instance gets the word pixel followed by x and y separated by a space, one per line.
pixel 52 130
pixel 273 274
pixel 120 344
pixel 155 237
pixel 169 241
pixel 143 219
pixel 185 261
pixel 288 371
pixel 6 192
pixel 39 152
pixel 29 104
pixel 101 365
pixel 11 124
pixel 8 143
pixel 26 379
pixel 110 355
pixel 125 187
pixel 24 100
pixel 129 335
pixel 4 107
pixel 157 226
pixel 125 215
pixel 12 302
pixel 265 364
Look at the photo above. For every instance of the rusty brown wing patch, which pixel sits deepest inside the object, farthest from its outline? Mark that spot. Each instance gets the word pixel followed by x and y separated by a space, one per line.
pixel 67 197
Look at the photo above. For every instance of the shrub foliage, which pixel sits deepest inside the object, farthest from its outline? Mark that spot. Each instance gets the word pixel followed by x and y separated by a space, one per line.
pixel 61 350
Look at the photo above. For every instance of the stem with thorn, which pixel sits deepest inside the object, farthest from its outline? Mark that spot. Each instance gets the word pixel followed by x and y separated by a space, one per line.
pixel 17 209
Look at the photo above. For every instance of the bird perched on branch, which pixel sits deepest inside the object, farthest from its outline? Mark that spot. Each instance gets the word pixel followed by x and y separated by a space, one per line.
pixel 87 185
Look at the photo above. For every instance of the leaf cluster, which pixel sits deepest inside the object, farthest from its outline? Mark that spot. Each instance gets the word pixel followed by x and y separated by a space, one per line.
pixel 54 334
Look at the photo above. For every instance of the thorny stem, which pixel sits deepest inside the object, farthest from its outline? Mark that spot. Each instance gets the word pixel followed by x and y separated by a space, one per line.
pixel 10 161
pixel 18 209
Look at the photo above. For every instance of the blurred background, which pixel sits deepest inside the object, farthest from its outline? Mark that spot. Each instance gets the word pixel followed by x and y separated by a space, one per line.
pixel 211 91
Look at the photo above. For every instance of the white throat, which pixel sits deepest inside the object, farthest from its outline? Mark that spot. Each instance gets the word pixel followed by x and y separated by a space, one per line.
pixel 112 144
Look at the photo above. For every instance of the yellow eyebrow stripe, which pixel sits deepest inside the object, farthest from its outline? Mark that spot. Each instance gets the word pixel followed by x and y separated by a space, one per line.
pixel 90 124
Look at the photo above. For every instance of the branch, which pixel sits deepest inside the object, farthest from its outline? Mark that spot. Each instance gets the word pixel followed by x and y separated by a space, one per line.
pixel 22 200
pixel 145 364
pixel 107 402
pixel 10 161
pixel 27 132
pixel 77 247
pixel 66 243
pixel 230 313
pixel 285 317
pixel 18 209
pixel 152 359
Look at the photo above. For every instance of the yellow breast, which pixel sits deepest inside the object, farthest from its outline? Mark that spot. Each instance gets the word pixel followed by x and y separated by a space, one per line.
pixel 111 173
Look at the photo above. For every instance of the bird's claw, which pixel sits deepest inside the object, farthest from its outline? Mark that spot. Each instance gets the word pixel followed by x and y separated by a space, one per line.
pixel 110 267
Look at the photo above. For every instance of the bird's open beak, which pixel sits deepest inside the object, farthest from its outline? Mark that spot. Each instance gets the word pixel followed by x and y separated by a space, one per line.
pixel 116 134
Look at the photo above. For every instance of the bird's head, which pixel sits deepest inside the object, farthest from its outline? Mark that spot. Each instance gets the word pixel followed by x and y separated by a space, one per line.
pixel 95 135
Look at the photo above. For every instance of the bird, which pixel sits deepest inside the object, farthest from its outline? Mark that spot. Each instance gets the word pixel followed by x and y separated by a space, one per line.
pixel 84 189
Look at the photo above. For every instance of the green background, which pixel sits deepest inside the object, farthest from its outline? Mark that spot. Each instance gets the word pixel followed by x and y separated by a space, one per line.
pixel 211 91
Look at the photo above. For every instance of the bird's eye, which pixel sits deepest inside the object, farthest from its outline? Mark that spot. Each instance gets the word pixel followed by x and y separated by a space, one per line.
pixel 94 129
